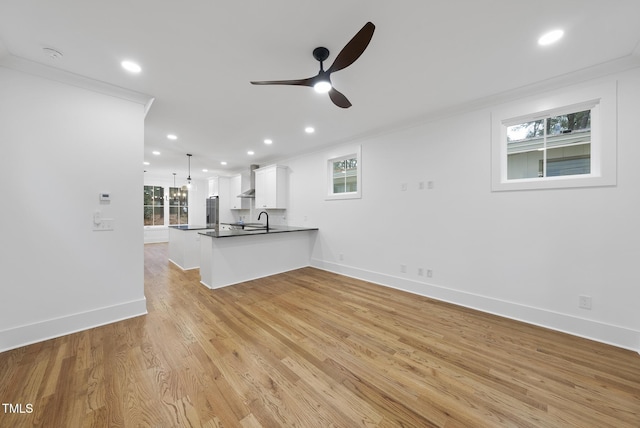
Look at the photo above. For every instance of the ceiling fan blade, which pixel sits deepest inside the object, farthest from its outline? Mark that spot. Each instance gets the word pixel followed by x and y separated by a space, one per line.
pixel 339 99
pixel 299 82
pixel 354 48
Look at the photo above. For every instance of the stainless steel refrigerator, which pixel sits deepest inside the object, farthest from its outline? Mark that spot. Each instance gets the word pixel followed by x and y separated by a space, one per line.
pixel 213 213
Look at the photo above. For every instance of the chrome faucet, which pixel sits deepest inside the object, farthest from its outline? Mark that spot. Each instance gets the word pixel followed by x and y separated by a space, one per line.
pixel 265 213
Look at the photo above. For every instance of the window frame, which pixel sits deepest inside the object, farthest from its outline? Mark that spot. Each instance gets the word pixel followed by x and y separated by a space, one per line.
pixel 331 195
pixel 182 203
pixel 166 206
pixel 600 99
pixel 161 207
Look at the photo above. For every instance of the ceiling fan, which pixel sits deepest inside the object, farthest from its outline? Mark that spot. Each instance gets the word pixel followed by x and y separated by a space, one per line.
pixel 322 81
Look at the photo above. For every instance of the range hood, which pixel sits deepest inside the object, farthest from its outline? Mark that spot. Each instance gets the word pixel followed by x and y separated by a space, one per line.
pixel 251 193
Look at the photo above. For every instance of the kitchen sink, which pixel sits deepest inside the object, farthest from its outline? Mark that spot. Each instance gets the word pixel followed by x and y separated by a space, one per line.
pixel 249 228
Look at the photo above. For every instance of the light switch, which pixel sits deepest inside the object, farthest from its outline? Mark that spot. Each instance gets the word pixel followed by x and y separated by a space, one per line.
pixel 105 224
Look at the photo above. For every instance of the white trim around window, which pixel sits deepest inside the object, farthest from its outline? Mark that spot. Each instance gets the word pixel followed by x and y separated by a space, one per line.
pixel 600 98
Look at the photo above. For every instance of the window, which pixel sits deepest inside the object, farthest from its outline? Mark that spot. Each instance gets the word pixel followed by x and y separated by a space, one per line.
pixel 343 174
pixel 566 139
pixel 551 146
pixel 178 208
pixel 153 206
pixel 156 211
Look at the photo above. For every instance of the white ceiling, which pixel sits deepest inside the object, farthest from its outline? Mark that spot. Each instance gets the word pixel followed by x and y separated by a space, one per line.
pixel 198 58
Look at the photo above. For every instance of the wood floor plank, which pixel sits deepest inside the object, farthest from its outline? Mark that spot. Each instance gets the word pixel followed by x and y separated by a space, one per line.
pixel 309 348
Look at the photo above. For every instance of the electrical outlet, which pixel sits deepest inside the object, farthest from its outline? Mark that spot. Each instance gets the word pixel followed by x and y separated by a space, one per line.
pixel 584 302
pixel 420 272
pixel 429 273
pixel 421 185
pixel 429 184
pixel 403 268
pixel 403 187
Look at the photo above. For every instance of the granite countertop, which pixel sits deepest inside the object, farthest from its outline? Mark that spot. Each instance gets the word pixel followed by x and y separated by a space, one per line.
pixel 191 227
pixel 261 231
pixel 242 225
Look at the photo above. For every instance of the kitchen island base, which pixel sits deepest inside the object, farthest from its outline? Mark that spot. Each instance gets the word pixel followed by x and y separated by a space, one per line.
pixel 228 261
pixel 184 246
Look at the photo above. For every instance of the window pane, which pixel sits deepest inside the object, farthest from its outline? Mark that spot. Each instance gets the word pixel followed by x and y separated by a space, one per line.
pixel 173 215
pixel 148 195
pixel 351 184
pixel 570 160
pixel 525 131
pixel 345 176
pixel 571 122
pixel 174 196
pixel 158 216
pixel 183 215
pixel 148 216
pixel 565 139
pixel 158 196
pixel 525 165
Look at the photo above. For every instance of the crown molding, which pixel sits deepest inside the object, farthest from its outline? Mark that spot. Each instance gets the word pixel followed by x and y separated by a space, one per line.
pixel 36 69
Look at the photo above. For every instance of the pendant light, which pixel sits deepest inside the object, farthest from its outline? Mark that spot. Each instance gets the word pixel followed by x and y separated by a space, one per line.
pixel 189 177
pixel 174 185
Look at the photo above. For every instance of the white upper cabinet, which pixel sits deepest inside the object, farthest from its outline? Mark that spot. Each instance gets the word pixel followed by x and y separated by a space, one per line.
pixel 235 188
pixel 271 187
pixel 213 186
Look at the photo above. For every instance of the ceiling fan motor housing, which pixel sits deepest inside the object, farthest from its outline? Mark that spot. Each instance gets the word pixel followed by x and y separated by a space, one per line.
pixel 321 53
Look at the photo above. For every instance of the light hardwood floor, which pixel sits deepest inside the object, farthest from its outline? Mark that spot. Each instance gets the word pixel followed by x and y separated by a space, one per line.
pixel 313 349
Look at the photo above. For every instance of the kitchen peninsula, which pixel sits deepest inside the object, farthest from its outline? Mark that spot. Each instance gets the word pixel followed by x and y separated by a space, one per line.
pixel 231 256
pixel 184 245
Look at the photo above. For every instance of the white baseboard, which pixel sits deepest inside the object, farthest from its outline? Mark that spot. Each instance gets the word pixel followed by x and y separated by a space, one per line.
pixel 252 278
pixel 184 268
pixel 52 328
pixel 621 337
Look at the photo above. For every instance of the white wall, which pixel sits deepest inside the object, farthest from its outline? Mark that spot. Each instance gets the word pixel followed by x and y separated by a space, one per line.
pixel 527 255
pixel 60 147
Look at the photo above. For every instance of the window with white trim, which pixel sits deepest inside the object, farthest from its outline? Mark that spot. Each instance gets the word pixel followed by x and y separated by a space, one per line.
pixel 157 211
pixel 344 176
pixel 153 206
pixel 552 145
pixel 569 143
pixel 178 206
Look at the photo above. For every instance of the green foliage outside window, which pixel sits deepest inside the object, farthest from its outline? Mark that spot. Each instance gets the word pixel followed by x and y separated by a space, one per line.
pixel 153 206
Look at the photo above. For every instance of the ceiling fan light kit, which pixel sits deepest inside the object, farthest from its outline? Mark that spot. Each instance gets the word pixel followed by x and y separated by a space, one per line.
pixel 322 81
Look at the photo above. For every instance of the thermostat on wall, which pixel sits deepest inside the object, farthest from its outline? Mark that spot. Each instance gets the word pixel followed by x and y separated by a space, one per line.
pixel 105 196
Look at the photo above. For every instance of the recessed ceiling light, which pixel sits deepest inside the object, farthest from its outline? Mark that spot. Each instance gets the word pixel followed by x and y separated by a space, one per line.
pixel 146 163
pixel 172 136
pixel 309 130
pixel 268 141
pixel 131 66
pixel 155 152
pixel 205 170
pixel 550 37
pixel 223 163
pixel 251 152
